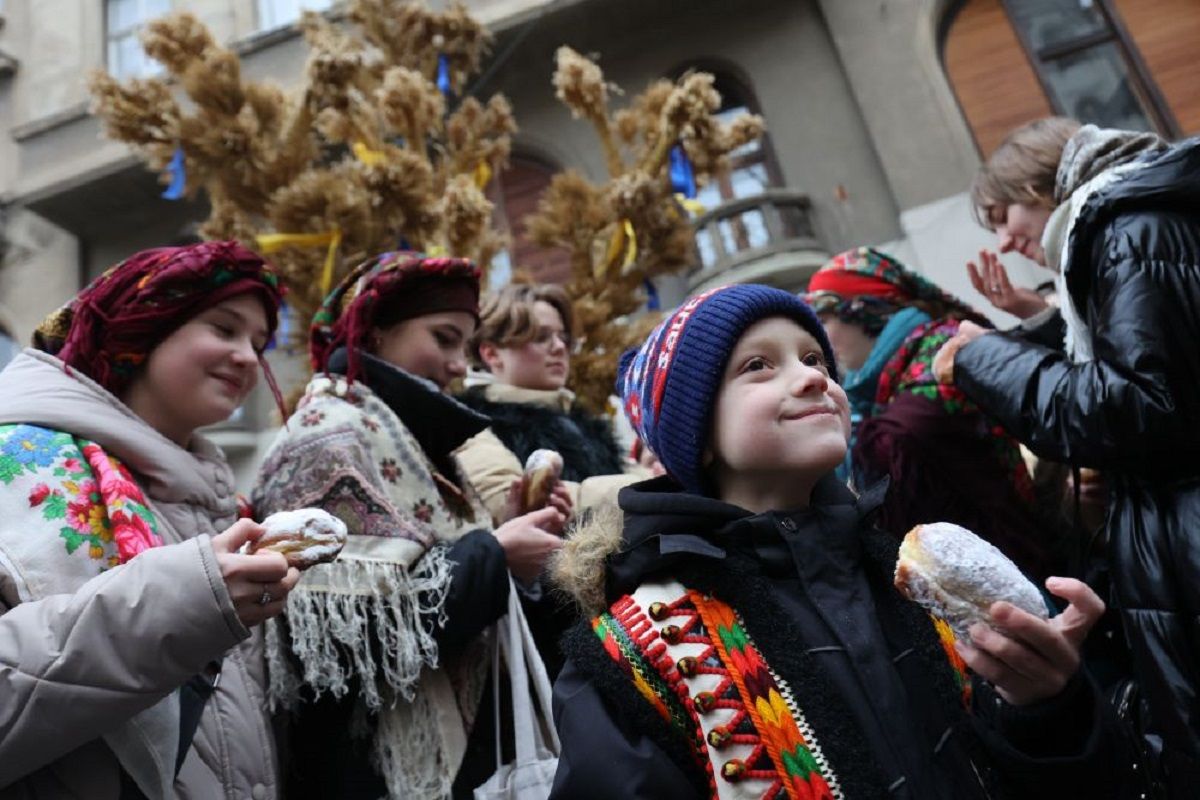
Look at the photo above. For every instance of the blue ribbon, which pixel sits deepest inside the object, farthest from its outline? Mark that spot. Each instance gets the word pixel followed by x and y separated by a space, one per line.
pixel 683 177
pixel 178 174
pixel 443 74
pixel 653 302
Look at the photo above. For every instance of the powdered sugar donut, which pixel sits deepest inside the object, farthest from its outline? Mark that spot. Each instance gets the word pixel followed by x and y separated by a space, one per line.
pixel 957 576
pixel 305 537
pixel 542 470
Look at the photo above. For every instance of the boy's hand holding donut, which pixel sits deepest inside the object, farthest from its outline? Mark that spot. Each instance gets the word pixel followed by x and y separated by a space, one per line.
pixel 1029 659
pixel 1002 628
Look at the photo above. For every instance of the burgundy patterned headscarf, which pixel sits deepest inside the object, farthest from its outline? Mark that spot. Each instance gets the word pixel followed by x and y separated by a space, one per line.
pixel 389 287
pixel 109 329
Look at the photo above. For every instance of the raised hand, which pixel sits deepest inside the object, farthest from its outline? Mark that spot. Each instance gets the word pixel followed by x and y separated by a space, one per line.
pixel 990 279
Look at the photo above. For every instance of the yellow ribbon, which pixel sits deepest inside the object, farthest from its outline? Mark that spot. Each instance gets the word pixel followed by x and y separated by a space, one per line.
pixel 274 242
pixel 436 250
pixel 690 204
pixel 631 247
pixel 622 247
pixel 483 174
pixel 366 155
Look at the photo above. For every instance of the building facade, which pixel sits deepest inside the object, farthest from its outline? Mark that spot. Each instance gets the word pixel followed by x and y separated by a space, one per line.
pixel 877 114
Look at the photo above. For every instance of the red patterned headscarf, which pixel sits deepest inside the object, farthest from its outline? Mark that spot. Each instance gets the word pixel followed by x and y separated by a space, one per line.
pixel 865 286
pixel 389 287
pixel 109 329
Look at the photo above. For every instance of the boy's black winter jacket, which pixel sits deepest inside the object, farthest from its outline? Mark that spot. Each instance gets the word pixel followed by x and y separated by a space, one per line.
pixel 814 589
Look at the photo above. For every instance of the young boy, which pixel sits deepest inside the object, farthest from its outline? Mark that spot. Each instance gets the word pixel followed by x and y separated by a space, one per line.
pixel 748 641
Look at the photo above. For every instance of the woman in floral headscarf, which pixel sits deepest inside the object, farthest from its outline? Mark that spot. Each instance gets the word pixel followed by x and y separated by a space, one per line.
pixel 383 653
pixel 123 597
pixel 944 458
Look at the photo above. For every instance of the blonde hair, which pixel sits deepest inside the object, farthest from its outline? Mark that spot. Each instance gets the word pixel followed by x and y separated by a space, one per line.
pixel 506 317
pixel 1022 169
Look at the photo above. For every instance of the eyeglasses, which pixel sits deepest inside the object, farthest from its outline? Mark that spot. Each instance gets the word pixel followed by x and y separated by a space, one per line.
pixel 545 335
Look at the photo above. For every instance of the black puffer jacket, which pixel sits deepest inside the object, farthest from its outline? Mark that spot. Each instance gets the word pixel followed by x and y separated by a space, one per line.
pixel 814 591
pixel 1134 411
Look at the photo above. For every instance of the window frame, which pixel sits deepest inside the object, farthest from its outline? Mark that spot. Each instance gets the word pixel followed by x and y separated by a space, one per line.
pixel 260 15
pixel 111 37
pixel 1140 79
pixel 729 74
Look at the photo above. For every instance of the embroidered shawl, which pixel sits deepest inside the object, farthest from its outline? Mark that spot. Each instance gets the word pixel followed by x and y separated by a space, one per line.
pixel 368 614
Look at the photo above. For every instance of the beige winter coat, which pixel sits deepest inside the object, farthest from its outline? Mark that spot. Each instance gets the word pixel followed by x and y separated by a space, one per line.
pixel 89 672
pixel 490 467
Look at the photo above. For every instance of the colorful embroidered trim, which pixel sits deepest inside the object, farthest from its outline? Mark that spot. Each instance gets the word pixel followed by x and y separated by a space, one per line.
pixel 784 749
pixel 629 639
pixel 799 766
pixel 962 676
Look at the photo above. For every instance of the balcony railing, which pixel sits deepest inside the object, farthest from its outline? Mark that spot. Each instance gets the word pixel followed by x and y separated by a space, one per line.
pixel 765 238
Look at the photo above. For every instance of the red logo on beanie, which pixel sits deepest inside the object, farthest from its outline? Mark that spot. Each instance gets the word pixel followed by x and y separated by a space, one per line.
pixel 670 344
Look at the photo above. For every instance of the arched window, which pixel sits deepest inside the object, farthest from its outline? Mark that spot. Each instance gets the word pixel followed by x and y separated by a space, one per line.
pixel 1087 65
pixel 515 194
pixel 752 170
pixel 1102 61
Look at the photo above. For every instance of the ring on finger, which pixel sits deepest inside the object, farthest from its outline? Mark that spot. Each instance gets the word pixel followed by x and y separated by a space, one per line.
pixel 266 597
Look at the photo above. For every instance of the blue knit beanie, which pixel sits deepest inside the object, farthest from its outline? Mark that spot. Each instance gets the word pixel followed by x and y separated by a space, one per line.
pixel 670 383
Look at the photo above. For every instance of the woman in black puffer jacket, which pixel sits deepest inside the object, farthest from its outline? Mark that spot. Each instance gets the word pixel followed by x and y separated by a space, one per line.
pixel 1117 216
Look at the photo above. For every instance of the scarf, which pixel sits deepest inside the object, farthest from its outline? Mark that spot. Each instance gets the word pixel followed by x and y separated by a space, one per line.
pixel 865 286
pixel 392 287
pixel 1092 160
pixel 1094 150
pixel 363 623
pixel 862 384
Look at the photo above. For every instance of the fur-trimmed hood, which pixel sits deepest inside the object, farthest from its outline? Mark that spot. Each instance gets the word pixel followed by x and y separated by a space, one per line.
pixel 657 526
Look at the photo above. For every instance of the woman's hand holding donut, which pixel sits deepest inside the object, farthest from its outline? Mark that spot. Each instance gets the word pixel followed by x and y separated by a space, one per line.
pixel 258 584
pixel 514 504
pixel 1030 659
pixel 529 540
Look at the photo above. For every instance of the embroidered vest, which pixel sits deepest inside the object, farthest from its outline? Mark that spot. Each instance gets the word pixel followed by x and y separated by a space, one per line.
pixel 689 655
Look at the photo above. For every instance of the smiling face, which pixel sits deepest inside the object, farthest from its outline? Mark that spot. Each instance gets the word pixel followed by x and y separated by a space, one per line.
pixel 1020 227
pixel 544 362
pixel 432 346
pixel 780 423
pixel 203 371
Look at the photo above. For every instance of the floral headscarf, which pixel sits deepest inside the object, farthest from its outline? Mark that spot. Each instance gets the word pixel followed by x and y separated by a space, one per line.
pixel 865 286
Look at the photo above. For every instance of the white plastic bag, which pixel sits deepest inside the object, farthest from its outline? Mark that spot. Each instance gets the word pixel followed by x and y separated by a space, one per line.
pixel 532 774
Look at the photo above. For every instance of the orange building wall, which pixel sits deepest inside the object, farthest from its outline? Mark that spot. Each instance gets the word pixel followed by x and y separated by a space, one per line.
pixel 1166 34
pixel 996 86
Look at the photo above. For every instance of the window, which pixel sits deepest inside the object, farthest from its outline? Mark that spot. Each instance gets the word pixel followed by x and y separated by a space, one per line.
pixel 277 13
pixel 516 194
pixel 752 170
pixel 125 19
pixel 751 167
pixel 1086 65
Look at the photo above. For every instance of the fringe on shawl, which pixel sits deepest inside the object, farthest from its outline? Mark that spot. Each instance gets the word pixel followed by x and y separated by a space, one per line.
pixel 409 753
pixel 338 634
